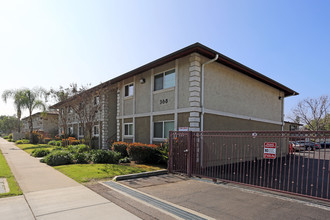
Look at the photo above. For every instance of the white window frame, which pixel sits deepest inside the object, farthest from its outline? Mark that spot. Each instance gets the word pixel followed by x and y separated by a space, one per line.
pixel 163 136
pixel 163 74
pixel 128 85
pixel 128 124
pixel 98 130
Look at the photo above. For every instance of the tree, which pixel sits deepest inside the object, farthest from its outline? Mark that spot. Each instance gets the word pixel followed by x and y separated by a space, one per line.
pixel 313 112
pixel 7 124
pixel 32 102
pixel 18 95
pixel 87 108
pixel 62 94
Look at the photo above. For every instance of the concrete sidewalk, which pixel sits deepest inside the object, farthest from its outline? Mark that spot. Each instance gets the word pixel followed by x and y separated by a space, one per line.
pixel 49 194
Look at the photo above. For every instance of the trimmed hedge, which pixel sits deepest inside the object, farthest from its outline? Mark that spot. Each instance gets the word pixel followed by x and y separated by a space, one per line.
pixel 143 153
pixel 23 141
pixel 81 158
pixel 79 148
pixel 105 156
pixel 55 143
pixel 40 152
pixel 120 147
pixel 56 158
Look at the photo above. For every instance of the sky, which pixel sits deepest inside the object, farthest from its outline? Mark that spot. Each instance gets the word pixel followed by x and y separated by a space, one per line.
pixel 52 43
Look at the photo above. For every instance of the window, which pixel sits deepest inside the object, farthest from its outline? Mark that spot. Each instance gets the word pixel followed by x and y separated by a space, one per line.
pixel 96 130
pixel 96 100
pixel 69 109
pixel 128 129
pixel 161 129
pixel 164 80
pixel 129 90
pixel 70 130
pixel 81 131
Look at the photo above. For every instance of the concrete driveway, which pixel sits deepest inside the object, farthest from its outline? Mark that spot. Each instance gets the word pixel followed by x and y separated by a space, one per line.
pixel 227 201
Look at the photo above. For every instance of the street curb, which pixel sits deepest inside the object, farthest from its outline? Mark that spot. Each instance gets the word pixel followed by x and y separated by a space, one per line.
pixel 139 175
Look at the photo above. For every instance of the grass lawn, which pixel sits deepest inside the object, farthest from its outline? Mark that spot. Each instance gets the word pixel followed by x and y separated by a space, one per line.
pixel 30 147
pixel 6 173
pixel 83 173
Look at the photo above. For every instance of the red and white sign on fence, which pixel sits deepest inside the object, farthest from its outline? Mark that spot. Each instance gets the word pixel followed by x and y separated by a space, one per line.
pixel 270 150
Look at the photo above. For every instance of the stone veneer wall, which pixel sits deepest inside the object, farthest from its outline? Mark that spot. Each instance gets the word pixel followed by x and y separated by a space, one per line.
pixel 194 91
pixel 104 118
pixel 118 114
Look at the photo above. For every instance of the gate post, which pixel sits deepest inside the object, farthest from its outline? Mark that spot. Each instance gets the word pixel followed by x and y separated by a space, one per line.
pixel 170 156
pixel 189 155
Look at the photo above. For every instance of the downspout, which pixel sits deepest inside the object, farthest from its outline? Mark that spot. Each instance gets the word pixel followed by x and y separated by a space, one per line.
pixel 202 105
pixel 202 89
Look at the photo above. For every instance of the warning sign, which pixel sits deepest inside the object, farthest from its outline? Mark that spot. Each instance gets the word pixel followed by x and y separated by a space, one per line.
pixel 270 150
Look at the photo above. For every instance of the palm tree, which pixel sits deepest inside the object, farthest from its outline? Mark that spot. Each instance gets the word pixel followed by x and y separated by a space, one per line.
pixel 32 102
pixel 19 99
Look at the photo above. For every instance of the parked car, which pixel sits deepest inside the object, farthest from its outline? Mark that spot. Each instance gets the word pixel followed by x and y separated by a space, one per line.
pixel 305 145
pixel 325 144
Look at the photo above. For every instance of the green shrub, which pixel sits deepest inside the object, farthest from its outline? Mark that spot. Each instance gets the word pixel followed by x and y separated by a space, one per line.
pixel 81 158
pixel 56 158
pixel 40 152
pixel 79 148
pixel 10 136
pixel 143 153
pixel 6 137
pixel 105 156
pixel 23 141
pixel 163 152
pixel 120 147
pixel 55 143
pixel 58 148
pixel 125 160
pixel 10 140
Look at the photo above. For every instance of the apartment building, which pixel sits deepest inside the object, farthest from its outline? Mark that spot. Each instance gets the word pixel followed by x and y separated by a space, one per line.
pixel 46 122
pixel 195 88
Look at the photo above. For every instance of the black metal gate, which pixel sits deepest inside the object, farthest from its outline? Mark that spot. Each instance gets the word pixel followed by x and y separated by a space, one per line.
pixel 291 162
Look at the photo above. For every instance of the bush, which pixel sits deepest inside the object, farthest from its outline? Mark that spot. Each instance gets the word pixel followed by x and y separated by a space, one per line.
pixel 79 148
pixel 10 140
pixel 83 157
pixel 105 156
pixel 56 158
pixel 35 137
pixel 40 152
pixel 10 136
pixel 163 152
pixel 6 137
pixel 58 148
pixel 143 153
pixel 125 160
pixel 120 147
pixel 55 143
pixel 23 141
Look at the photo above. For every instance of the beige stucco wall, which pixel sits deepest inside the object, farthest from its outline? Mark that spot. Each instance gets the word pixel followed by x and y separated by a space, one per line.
pixel 183 82
pixel 142 129
pixel 216 122
pixel 142 93
pixel 164 100
pixel 230 91
pixel 183 120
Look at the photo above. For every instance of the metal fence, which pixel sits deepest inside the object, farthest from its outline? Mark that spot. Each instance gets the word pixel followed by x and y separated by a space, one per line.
pixel 293 162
